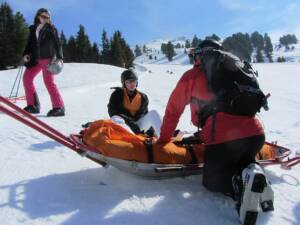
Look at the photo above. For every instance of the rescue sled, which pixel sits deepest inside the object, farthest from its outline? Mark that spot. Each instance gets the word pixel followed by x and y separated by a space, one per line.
pixel 119 148
pixel 149 165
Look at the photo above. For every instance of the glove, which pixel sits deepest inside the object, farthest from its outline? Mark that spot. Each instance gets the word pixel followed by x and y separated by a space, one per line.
pixel 26 58
pixel 134 127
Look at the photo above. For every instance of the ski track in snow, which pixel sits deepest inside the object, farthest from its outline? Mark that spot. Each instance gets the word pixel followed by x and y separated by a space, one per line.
pixel 42 182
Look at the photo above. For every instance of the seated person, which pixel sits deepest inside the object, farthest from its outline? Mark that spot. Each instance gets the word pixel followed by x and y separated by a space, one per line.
pixel 129 107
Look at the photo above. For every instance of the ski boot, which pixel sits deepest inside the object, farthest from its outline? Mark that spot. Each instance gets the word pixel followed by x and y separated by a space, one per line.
pixel 251 197
pixel 55 112
pixel 35 108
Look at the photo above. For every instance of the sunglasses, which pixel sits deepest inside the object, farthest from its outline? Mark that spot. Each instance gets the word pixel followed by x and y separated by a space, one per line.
pixel 130 81
pixel 45 17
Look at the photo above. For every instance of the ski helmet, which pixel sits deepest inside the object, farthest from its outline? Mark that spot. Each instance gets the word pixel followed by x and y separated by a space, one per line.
pixel 55 67
pixel 208 44
pixel 128 75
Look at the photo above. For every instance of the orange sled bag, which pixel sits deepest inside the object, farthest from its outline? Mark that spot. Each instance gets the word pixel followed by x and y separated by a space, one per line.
pixel 115 141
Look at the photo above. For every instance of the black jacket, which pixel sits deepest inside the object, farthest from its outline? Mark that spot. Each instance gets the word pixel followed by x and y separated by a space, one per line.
pixel 45 47
pixel 115 107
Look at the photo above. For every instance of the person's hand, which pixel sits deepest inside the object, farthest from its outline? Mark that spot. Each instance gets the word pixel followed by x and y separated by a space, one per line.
pixel 26 58
pixel 60 61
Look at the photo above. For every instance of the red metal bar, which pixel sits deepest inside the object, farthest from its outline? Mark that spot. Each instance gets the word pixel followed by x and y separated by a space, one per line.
pixel 33 118
pixel 291 162
pixel 42 127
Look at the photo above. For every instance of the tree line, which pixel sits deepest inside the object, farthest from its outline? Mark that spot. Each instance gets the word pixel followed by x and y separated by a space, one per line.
pixel 253 47
pixel 14 33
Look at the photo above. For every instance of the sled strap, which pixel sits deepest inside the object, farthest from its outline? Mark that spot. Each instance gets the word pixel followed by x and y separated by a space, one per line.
pixel 190 149
pixel 149 147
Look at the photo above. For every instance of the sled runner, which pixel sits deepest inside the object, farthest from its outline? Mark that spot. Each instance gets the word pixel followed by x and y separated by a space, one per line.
pixel 175 159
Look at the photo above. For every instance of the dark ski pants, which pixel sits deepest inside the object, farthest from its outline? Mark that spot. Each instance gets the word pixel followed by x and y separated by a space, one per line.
pixel 223 161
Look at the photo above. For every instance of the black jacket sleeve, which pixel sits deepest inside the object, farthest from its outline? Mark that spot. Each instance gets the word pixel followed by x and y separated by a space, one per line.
pixel 57 44
pixel 114 104
pixel 27 49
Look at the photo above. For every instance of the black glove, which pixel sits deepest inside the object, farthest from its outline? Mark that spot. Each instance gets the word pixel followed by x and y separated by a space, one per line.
pixel 134 127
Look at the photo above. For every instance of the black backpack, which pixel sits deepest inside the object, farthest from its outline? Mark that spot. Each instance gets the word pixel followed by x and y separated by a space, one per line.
pixel 234 84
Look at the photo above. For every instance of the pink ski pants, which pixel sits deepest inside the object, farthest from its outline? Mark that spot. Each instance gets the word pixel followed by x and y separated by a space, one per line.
pixel 30 74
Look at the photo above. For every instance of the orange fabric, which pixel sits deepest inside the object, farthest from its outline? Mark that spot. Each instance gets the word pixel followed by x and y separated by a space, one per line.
pixel 114 141
pixel 134 105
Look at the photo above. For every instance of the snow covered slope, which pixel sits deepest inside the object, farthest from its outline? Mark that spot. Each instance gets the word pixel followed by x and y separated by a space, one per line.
pixel 155 56
pixel 291 55
pixel 44 183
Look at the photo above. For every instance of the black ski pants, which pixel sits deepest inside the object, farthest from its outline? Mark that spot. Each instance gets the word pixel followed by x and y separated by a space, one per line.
pixel 223 161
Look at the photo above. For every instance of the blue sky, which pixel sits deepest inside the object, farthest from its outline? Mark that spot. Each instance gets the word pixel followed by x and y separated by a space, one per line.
pixel 141 21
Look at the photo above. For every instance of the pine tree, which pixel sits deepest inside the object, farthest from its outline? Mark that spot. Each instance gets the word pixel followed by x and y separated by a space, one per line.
pixel 117 55
pixel 72 50
pixel 105 53
pixel 137 51
pixel 128 55
pixel 144 49
pixel 83 45
pixel 94 54
pixel 7 37
pixel 257 40
pixel 187 44
pixel 163 48
pixel 170 51
pixel 268 47
pixel 288 39
pixel 240 45
pixel 20 35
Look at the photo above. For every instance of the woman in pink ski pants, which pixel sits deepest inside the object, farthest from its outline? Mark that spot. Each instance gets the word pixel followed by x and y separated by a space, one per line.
pixel 42 47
